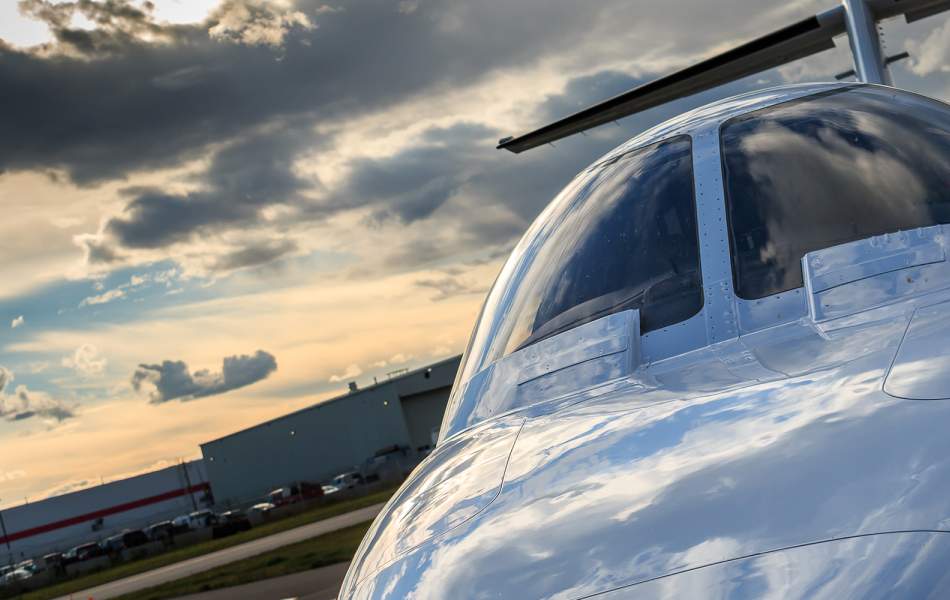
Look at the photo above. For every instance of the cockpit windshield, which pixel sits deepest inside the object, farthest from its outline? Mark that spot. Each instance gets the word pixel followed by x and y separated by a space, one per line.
pixel 621 236
pixel 830 169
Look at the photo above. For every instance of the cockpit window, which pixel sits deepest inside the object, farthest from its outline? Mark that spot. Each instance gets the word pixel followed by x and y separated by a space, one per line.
pixel 830 169
pixel 621 236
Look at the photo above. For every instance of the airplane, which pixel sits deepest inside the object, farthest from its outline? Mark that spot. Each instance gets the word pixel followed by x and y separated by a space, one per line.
pixel 717 365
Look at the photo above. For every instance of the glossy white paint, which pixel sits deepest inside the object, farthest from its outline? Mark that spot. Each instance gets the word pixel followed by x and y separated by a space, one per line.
pixel 760 447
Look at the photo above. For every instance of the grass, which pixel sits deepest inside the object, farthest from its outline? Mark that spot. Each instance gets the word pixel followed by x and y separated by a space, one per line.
pixel 154 562
pixel 330 548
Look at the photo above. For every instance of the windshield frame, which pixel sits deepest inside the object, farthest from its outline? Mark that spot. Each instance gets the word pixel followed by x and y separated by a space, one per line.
pixel 484 348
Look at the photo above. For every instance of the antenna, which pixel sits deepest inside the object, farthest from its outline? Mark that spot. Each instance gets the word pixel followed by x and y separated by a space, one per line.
pixel 857 18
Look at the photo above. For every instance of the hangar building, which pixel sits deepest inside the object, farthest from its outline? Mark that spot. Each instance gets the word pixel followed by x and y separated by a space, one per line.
pixel 92 514
pixel 334 436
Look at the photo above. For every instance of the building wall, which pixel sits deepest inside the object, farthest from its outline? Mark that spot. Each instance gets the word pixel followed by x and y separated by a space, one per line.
pixel 423 415
pixel 320 441
pixel 59 523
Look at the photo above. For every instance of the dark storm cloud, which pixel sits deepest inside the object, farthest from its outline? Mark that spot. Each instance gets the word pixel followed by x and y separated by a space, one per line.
pixel 118 25
pixel 149 105
pixel 584 91
pixel 255 255
pixel 412 184
pixel 172 380
pixel 242 179
pixel 255 106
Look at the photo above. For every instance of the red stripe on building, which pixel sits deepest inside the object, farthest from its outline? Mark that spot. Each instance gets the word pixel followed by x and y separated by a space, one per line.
pixel 105 512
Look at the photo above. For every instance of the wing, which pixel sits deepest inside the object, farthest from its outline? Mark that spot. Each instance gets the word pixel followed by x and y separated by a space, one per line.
pixel 799 40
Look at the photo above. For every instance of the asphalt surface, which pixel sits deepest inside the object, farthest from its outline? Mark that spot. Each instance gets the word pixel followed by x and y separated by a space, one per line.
pixel 228 555
pixel 317 584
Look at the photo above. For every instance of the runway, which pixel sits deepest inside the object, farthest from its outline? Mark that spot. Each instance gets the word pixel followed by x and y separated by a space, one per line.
pixel 223 557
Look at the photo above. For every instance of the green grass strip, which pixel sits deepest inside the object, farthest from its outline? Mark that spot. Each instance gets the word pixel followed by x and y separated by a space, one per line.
pixel 160 560
pixel 327 549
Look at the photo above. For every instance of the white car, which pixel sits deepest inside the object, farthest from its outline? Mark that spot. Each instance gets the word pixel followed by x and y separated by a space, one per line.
pixel 346 481
pixel 18 574
pixel 262 508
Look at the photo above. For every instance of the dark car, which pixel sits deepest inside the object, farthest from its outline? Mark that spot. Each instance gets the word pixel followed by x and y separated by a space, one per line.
pixel 88 551
pixel 161 531
pixel 134 538
pixel 231 522
pixel 53 562
pixel 68 557
pixel 112 544
pixel 130 538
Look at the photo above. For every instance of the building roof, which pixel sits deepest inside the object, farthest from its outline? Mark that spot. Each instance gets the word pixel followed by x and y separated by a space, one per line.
pixel 346 396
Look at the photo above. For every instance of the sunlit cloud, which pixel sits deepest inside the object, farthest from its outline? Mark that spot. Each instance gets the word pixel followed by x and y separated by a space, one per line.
pixel 86 361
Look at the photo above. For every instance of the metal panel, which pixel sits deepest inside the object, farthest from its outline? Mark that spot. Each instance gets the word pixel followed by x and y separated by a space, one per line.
pixel 852 277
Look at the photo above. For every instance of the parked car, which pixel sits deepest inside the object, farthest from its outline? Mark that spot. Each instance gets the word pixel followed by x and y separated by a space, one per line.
pixel 130 538
pixel 196 520
pixel 262 508
pixel 68 557
pixel 53 562
pixel 16 574
pixel 297 492
pixel 112 544
pixel 134 538
pixel 28 564
pixel 161 531
pixel 202 518
pixel 391 463
pixel 231 522
pixel 88 551
pixel 347 481
pixel 181 524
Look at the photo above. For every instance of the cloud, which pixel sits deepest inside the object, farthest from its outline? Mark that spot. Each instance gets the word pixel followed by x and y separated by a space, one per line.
pixel 243 179
pixel 448 287
pixel 103 298
pixel 185 92
pixel 86 361
pixel 172 380
pixel 95 250
pixel 930 55
pixel 249 149
pixel 396 359
pixel 258 23
pixel 414 183
pixel 255 255
pixel 349 373
pixel 6 376
pixel 24 403
pixel 12 475
pixel 119 25
pixel 17 322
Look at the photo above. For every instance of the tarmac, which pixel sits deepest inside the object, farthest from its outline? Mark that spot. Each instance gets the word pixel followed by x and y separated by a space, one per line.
pixel 317 584
pixel 228 555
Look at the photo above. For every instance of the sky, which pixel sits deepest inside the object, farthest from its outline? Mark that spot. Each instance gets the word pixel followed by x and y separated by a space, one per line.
pixel 217 212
